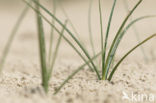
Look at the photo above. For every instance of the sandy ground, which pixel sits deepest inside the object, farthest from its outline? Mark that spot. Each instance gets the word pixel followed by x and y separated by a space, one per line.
pixel 20 80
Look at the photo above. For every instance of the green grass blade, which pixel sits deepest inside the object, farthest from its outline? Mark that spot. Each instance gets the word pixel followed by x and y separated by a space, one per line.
pixel 101 26
pixel 52 34
pixel 125 30
pixel 42 50
pixel 56 52
pixel 111 51
pixel 106 37
pixel 130 25
pixel 129 52
pixel 12 36
pixel 68 41
pixel 136 32
pixel 90 27
pixel 75 72
pixel 73 37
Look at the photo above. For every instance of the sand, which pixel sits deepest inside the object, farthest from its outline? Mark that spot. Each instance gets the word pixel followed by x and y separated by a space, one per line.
pixel 20 80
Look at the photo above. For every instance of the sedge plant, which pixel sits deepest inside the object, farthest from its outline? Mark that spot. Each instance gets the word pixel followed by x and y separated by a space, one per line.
pixel 107 59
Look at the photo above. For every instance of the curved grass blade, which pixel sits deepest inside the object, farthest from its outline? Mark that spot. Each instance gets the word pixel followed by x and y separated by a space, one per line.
pixel 73 37
pixel 68 41
pixel 101 25
pixel 90 27
pixel 56 52
pixel 12 36
pixel 75 72
pixel 111 51
pixel 106 37
pixel 52 34
pixel 136 32
pixel 130 51
pixel 125 30
pixel 42 50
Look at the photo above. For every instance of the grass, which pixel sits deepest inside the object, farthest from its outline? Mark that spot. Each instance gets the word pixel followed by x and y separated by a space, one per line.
pixel 90 27
pixel 106 40
pixel 42 50
pixel 107 71
pixel 106 63
pixel 125 2
pixel 46 67
pixel 52 31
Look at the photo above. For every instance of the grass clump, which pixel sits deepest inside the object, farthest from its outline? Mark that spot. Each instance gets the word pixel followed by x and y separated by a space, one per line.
pixel 106 72
pixel 47 67
pixel 107 59
pixel 45 64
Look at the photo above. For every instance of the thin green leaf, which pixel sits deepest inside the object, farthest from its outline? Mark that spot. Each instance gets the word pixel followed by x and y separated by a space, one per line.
pixel 90 27
pixel 52 33
pixel 101 26
pixel 41 39
pixel 106 37
pixel 56 52
pixel 73 37
pixel 125 30
pixel 112 49
pixel 136 32
pixel 129 52
pixel 68 41
pixel 12 36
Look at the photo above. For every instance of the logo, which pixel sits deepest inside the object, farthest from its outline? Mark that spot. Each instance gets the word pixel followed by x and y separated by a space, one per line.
pixel 135 97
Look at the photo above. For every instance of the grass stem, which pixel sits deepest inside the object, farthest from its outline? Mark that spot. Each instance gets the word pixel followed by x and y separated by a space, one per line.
pixel 42 50
pixel 52 33
pixel 90 27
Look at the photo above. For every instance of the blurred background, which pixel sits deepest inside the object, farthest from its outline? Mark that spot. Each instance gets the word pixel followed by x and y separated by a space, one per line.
pixel 77 11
